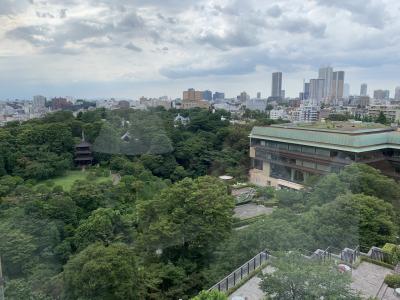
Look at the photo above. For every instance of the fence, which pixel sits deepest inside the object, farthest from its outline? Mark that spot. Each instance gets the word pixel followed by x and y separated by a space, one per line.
pixel 350 255
pixel 242 272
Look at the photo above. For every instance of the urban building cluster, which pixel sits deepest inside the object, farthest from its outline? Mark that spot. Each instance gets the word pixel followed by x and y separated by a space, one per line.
pixel 327 94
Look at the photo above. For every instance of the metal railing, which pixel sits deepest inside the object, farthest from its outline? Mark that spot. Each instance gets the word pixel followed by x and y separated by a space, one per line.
pixel 240 273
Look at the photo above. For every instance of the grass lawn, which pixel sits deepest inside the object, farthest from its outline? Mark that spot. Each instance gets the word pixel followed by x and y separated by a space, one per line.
pixel 70 177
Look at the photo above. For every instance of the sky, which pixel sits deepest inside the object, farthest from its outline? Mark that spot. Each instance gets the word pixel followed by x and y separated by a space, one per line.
pixel 133 48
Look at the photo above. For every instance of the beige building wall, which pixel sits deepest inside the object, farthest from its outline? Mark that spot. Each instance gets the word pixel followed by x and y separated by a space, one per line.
pixel 262 178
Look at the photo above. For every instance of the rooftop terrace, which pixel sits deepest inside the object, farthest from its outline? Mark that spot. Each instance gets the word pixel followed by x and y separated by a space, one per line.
pixel 346 136
pixel 337 126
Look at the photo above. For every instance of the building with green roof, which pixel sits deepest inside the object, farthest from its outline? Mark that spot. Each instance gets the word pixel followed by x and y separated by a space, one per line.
pixel 286 155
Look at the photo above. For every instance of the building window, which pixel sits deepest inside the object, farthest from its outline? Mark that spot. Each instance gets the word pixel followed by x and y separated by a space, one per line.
pixel 308 150
pixel 295 148
pixel 257 164
pixel 323 152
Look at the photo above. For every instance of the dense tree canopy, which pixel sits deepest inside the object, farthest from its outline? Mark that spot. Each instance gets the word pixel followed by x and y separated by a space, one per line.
pixel 298 278
pixel 158 225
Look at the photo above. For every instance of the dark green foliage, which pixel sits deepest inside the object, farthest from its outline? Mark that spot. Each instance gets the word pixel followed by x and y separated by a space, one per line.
pixel 293 276
pixel 102 272
pixel 393 280
pixel 212 295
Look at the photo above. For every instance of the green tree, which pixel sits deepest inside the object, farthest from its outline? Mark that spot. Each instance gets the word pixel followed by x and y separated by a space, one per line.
pixel 351 220
pixel 298 278
pixel 187 219
pixel 102 225
pixel 381 118
pixel 361 178
pixel 210 295
pixel 100 272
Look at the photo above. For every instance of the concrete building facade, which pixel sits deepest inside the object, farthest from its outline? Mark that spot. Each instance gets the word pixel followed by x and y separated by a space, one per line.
pixel 286 155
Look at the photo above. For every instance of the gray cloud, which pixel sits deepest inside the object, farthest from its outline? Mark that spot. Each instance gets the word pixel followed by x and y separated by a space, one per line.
pixel 44 15
pixel 181 39
pixel 274 11
pixel 11 7
pixel 36 35
pixel 62 13
pixel 367 12
pixel 132 47
pixel 301 25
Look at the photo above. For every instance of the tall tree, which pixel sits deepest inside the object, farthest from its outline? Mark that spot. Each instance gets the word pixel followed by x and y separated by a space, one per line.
pixel 101 272
pixel 188 219
pixel 298 278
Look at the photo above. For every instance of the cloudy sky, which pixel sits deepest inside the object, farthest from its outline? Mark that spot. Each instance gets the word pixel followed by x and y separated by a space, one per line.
pixel 129 48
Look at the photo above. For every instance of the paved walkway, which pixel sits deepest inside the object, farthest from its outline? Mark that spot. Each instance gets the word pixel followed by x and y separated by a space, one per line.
pixel 367 279
pixel 250 210
pixel 251 289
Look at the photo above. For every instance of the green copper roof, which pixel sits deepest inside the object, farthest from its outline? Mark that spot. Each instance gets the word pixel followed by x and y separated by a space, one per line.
pixel 356 140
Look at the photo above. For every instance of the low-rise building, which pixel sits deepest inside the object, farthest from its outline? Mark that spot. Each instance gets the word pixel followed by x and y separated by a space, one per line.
pixel 391 112
pixel 286 155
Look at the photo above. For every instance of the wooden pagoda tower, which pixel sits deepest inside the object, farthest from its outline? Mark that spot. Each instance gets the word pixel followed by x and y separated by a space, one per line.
pixel 83 153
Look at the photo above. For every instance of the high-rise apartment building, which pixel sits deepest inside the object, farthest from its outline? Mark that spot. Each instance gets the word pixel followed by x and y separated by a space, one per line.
pixel 207 95
pixel 243 97
pixel 193 98
pixel 337 85
pixel 346 90
pixel 326 73
pixel 192 95
pixel 218 96
pixel 381 94
pixel 397 93
pixel 276 85
pixel 306 91
pixel 258 95
pixel 363 89
pixel 316 91
pixel 39 101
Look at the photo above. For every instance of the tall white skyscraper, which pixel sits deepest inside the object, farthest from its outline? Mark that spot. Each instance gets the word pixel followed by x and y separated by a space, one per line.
pixel 346 90
pixel 363 89
pixel 276 85
pixel 397 93
pixel 326 73
pixel 316 91
pixel 337 85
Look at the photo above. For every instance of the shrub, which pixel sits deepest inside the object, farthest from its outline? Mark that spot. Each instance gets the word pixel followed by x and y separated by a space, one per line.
pixel 393 252
pixel 210 295
pixel 393 280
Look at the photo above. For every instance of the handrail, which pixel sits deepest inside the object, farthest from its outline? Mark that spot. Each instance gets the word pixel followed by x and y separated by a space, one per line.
pixel 240 273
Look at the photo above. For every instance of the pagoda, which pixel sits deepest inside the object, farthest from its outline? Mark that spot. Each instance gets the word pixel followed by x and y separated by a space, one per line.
pixel 83 153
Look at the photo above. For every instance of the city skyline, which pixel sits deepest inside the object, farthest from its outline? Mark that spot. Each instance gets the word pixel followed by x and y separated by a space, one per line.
pixel 94 48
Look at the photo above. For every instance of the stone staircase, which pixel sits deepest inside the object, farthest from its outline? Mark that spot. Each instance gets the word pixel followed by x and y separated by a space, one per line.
pixel 397 269
pixel 382 291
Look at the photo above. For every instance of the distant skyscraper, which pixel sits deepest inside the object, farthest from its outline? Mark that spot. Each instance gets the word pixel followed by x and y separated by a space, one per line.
pixel 306 91
pixel 192 95
pixel 207 95
pixel 316 91
pixel 346 90
pixel 326 73
pixel 337 85
pixel 258 95
pixel 397 93
pixel 218 96
pixel 276 85
pixel 39 101
pixel 363 89
pixel 283 94
pixel 381 94
pixel 243 97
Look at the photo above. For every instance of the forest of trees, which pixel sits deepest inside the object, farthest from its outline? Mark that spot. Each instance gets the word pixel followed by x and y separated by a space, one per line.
pixel 164 231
